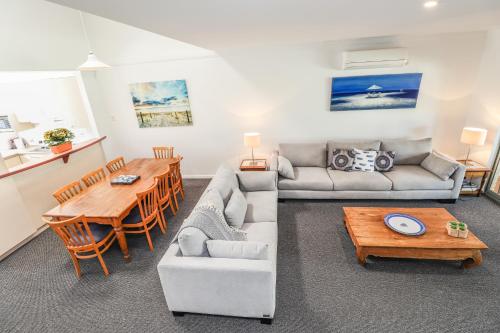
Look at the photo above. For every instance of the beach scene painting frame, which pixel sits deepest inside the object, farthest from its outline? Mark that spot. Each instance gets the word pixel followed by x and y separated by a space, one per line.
pixel 375 92
pixel 161 104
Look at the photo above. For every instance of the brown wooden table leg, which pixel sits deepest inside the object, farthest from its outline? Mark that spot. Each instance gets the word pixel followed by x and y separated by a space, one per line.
pixel 476 260
pixel 361 256
pixel 122 241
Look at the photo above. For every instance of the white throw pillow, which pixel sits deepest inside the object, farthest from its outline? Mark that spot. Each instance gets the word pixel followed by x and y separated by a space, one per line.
pixel 364 160
pixel 236 209
pixel 237 249
pixel 285 168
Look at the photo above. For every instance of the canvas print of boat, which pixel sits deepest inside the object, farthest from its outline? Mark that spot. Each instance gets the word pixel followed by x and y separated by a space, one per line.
pixel 373 92
pixel 161 104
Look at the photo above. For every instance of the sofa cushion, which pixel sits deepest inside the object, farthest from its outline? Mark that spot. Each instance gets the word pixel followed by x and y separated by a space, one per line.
pixel 211 197
pixel 408 151
pixel 351 144
pixel 304 154
pixel 265 232
pixel 192 242
pixel 439 166
pixel 364 160
pixel 262 206
pixel 285 168
pixel 359 181
pixel 251 250
pixel 224 181
pixel 342 159
pixel 414 177
pixel 307 178
pixel 385 160
pixel 236 209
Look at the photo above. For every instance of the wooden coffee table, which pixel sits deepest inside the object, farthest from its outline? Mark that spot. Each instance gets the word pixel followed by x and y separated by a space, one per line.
pixel 372 237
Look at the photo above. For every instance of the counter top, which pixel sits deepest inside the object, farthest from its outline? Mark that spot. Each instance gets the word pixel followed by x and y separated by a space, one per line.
pixel 47 156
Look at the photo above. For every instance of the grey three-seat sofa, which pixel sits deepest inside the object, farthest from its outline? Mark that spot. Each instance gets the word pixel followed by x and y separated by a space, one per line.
pixel 198 283
pixel 315 179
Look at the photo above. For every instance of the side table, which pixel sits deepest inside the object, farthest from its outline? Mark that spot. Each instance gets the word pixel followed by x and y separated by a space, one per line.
pixel 474 170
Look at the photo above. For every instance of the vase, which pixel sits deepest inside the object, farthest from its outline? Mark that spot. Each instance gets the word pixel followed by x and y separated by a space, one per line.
pixel 62 147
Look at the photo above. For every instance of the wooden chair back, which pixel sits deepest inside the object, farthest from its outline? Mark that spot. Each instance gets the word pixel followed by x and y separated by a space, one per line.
pixel 175 171
pixel 163 187
pixel 74 232
pixel 67 192
pixel 163 152
pixel 115 164
pixel 94 177
pixel 148 203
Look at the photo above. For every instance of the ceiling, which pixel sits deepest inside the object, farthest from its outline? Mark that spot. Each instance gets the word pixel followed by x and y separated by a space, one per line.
pixel 218 24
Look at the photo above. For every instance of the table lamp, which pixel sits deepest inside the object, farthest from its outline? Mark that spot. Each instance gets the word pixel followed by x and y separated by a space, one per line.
pixel 252 140
pixel 473 136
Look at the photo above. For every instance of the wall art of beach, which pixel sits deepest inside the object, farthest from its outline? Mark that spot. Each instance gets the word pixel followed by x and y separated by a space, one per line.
pixel 161 104
pixel 374 92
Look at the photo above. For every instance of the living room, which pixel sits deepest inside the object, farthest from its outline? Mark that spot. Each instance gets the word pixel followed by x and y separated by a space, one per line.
pixel 260 81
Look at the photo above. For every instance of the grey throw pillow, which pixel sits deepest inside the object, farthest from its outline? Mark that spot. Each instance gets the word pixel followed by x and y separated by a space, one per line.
pixel 384 160
pixel 285 168
pixel 342 159
pixel 237 249
pixel 236 209
pixel 364 160
pixel 192 242
pixel 439 166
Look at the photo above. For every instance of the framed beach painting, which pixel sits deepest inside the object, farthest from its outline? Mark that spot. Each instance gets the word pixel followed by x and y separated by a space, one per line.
pixel 375 92
pixel 161 104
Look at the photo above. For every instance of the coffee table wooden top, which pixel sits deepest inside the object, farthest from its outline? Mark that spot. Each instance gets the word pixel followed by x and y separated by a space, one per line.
pixel 367 229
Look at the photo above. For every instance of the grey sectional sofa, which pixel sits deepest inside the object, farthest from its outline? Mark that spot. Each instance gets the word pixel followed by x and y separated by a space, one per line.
pixel 197 283
pixel 315 179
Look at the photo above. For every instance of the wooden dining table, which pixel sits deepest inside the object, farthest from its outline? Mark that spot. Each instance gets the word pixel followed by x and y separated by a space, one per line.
pixel 108 204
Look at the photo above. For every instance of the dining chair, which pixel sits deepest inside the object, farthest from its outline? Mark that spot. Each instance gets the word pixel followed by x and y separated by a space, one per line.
pixel 163 152
pixel 147 216
pixel 176 180
pixel 67 192
pixel 115 164
pixel 94 177
pixel 164 195
pixel 84 240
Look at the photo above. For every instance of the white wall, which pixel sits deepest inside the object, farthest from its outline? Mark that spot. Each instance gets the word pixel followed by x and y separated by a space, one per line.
pixel 283 92
pixel 485 111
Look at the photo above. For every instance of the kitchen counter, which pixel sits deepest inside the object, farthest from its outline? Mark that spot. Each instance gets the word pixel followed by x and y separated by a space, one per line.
pixel 44 156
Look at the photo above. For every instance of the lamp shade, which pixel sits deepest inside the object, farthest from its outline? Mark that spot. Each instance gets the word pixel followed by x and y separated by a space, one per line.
pixel 252 140
pixel 473 136
pixel 92 63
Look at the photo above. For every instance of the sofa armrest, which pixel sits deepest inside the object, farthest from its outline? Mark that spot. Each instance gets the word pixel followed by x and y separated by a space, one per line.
pixel 252 181
pixel 232 287
pixel 457 176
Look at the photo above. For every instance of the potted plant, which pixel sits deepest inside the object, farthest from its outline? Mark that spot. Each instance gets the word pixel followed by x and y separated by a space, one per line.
pixel 59 140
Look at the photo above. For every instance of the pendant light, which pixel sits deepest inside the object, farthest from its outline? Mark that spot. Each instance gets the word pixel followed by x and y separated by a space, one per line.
pixel 92 63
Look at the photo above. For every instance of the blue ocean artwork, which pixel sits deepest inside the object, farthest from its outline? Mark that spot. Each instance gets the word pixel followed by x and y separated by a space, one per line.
pixel 375 92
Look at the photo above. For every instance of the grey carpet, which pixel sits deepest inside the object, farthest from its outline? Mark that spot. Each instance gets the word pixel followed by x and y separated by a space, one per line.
pixel 320 287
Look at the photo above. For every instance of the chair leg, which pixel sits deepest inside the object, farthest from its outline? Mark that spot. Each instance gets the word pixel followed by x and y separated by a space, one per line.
pixel 150 242
pixel 175 199
pixel 171 204
pixel 103 264
pixel 76 264
pixel 181 189
pixel 160 218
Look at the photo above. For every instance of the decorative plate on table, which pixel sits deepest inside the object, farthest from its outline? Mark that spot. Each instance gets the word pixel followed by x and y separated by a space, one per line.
pixel 404 224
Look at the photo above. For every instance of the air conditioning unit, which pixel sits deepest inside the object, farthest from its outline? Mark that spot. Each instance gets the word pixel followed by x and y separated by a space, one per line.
pixel 375 58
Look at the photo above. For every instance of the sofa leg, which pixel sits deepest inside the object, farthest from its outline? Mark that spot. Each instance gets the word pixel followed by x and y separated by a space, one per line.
pixel 178 314
pixel 448 201
pixel 281 200
pixel 266 321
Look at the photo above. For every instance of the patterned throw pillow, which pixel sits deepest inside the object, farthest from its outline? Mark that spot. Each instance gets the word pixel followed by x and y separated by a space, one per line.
pixel 384 160
pixel 364 160
pixel 342 159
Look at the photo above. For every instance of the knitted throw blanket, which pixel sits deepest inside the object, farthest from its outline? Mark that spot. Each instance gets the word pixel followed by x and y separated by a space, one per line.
pixel 211 221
